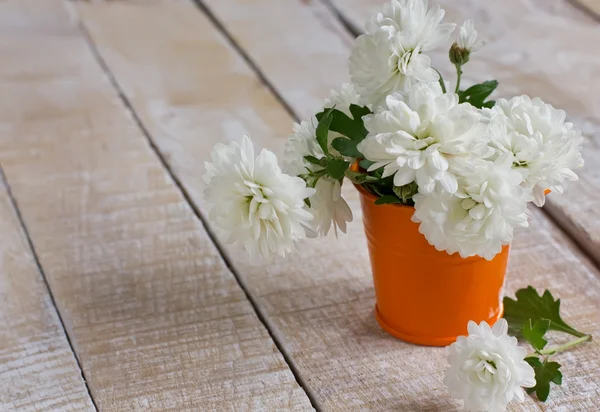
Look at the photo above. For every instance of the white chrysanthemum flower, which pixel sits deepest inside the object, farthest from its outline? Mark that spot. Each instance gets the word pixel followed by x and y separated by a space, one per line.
pixel 389 56
pixel 343 98
pixel 302 142
pixel 466 37
pixel 426 136
pixel 487 368
pixel 546 149
pixel 481 216
pixel 252 202
pixel 329 208
pixel 415 25
pixel 327 205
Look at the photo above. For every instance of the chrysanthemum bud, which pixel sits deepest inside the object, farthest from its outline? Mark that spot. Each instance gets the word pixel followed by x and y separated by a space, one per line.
pixel 458 55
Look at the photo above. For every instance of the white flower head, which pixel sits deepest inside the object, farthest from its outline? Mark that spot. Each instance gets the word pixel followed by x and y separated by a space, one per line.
pixel 343 98
pixel 466 37
pixel 302 142
pixel 481 216
pixel 413 24
pixel 389 56
pixel 327 205
pixel 329 208
pixel 252 202
pixel 426 136
pixel 487 369
pixel 545 148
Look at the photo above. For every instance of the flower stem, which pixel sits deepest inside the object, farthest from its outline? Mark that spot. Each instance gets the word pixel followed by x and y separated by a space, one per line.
pixel 568 345
pixel 441 80
pixel 459 73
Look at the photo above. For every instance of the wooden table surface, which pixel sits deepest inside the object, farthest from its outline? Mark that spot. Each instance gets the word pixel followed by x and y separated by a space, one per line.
pixel 115 293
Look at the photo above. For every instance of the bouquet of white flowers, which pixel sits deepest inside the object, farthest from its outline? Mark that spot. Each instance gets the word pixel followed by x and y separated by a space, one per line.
pixel 469 165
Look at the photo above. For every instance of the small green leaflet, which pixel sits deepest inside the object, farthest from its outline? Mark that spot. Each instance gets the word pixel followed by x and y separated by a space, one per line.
pixel 477 93
pixel 323 130
pixel 313 160
pixel 346 147
pixel 545 372
pixel 365 164
pixel 530 305
pixel 534 334
pixel 354 129
pixel 406 192
pixel 387 199
pixel 358 112
pixel 336 168
pixel 360 178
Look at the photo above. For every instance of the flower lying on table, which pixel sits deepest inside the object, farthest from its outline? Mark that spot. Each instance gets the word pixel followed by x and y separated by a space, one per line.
pixel 468 165
pixel 487 368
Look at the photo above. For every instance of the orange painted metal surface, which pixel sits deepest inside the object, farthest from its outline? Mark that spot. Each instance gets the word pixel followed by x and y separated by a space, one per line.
pixel 425 296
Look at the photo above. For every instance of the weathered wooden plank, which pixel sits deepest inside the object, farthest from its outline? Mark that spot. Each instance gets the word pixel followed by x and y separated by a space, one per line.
pixel 544 49
pixel 156 318
pixel 356 12
pixel 38 370
pixel 295 29
pixel 592 6
pixel 320 299
pixel 33 15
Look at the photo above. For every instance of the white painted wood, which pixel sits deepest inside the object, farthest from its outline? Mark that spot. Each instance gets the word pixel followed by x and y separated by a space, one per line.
pixel 191 90
pixel 38 370
pixel 156 318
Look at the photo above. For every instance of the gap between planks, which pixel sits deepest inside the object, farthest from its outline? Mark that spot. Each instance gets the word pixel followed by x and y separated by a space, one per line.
pixel 31 246
pixel 246 57
pixel 590 7
pixel 259 312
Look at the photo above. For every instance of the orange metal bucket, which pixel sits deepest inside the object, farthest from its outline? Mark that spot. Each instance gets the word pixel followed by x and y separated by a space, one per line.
pixel 425 296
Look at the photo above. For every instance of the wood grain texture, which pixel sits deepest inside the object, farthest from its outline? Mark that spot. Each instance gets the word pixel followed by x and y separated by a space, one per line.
pixel 304 56
pixel 320 299
pixel 592 6
pixel 38 370
pixel 157 320
pixel 538 48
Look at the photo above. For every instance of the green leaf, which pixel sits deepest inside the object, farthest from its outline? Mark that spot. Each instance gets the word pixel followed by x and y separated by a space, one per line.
pixel 360 178
pixel 489 104
pixel 477 93
pixel 545 372
pixel 346 147
pixel 374 188
pixel 365 164
pixel 323 130
pixel 530 305
pixel 313 160
pixel 358 112
pixel 341 123
pixel 406 192
pixel 387 199
pixel 336 168
pixel 534 334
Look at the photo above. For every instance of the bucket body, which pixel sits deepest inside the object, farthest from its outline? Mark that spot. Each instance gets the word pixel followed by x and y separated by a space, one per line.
pixel 425 296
